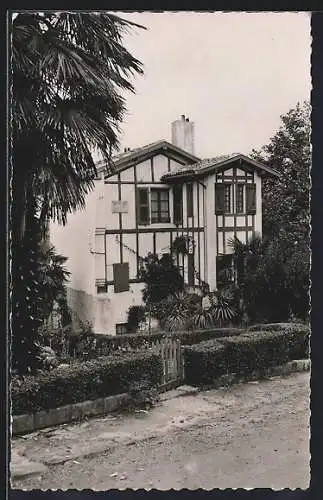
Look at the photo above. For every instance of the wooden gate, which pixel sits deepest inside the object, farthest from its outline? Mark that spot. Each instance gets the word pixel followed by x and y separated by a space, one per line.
pixel 171 354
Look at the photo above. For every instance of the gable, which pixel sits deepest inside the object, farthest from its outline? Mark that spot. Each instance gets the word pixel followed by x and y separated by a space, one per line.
pixel 127 159
pixel 220 164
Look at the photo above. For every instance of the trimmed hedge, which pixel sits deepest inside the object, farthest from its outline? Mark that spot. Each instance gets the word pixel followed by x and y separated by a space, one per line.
pixel 100 344
pixel 204 362
pixel 278 327
pixel 251 351
pixel 83 381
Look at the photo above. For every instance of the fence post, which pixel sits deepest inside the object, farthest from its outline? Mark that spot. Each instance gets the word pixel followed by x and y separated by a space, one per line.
pixel 182 363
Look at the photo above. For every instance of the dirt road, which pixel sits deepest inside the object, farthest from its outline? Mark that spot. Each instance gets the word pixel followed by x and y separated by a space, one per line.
pixel 245 436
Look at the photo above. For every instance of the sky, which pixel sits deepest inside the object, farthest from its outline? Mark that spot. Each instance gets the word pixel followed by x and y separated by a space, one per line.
pixel 232 74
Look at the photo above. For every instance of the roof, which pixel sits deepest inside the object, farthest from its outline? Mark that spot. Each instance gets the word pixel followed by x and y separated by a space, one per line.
pixel 207 165
pixel 124 159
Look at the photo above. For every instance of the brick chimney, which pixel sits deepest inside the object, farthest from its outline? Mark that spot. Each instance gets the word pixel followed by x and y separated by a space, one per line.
pixel 183 134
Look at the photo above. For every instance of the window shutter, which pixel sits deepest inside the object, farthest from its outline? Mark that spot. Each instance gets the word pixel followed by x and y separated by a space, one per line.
pixel 142 206
pixel 251 198
pixel 178 204
pixel 219 198
pixel 189 199
pixel 121 277
pixel 190 269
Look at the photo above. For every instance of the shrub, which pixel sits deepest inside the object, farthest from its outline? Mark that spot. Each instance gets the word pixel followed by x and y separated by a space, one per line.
pixel 245 353
pixel 136 315
pixel 204 362
pixel 277 327
pixel 107 344
pixel 83 381
pixel 142 395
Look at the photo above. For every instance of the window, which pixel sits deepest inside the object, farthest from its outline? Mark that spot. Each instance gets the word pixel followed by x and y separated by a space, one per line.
pixel 159 205
pixel 222 198
pixel 143 206
pixel 178 204
pixel 239 198
pixel 189 199
pixel 121 328
pixel 121 277
pixel 251 198
pixel 227 198
pixel 102 288
pixel 224 270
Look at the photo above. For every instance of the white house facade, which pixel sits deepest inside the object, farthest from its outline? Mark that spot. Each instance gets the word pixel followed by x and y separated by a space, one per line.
pixel 155 194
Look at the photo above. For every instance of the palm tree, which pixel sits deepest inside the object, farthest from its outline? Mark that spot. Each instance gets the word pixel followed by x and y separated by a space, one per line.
pixel 68 78
pixel 68 73
pixel 246 256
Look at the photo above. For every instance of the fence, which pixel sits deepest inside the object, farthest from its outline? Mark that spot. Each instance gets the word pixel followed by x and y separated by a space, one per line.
pixel 171 354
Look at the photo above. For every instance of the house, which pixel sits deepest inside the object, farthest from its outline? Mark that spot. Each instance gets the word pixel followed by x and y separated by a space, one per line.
pixel 157 193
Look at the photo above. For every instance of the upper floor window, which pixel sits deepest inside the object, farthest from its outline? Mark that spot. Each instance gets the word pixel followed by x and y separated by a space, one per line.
pixel 152 205
pixel 251 198
pixel 178 204
pixel 239 198
pixel 222 198
pixel 159 205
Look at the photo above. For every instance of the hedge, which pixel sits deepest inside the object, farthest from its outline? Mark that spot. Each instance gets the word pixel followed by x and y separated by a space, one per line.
pixel 278 327
pixel 83 381
pixel 245 353
pixel 100 344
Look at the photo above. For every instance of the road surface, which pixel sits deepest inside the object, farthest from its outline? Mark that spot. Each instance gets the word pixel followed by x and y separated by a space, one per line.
pixel 253 435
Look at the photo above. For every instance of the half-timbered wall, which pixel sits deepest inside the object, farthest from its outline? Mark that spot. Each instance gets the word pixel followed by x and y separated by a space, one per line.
pixel 223 227
pixel 95 239
pixel 126 239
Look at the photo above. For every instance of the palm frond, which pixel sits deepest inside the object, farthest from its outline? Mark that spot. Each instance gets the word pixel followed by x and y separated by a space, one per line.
pixel 68 70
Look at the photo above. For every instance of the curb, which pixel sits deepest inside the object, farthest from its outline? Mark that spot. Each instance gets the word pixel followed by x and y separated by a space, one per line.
pixel 299 365
pixel 49 418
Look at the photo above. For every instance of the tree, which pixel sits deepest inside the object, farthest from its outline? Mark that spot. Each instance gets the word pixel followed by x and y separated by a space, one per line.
pixel 162 278
pixel 52 277
pixel 286 206
pixel 286 200
pixel 69 74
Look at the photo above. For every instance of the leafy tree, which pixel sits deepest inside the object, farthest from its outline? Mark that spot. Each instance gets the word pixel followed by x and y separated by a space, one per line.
pixel 136 314
pixel 40 281
pixel 270 281
pixel 286 208
pixel 69 74
pixel 161 277
pixel 286 200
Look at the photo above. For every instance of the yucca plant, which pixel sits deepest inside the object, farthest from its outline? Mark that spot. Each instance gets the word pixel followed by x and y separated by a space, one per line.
pixel 222 308
pixel 178 311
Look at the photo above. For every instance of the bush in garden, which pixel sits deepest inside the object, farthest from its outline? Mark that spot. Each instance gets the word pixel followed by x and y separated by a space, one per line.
pixel 104 376
pixel 136 315
pixel 142 395
pixel 109 344
pixel 204 362
pixel 254 350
